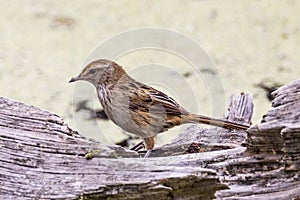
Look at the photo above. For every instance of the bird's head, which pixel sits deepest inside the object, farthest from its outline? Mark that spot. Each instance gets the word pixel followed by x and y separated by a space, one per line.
pixel 100 71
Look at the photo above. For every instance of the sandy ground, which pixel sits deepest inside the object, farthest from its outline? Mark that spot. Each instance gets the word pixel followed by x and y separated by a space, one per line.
pixel 44 43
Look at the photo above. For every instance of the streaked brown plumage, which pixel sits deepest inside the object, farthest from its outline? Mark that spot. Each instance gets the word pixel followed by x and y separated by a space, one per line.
pixel 138 108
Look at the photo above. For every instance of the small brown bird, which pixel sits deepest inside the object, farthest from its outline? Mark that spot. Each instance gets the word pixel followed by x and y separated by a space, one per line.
pixel 138 108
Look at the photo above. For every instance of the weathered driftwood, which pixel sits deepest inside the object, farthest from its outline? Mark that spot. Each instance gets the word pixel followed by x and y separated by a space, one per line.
pixel 269 168
pixel 42 158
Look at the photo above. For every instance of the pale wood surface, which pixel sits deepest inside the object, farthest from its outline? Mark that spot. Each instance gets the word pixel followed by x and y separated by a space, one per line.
pixel 42 158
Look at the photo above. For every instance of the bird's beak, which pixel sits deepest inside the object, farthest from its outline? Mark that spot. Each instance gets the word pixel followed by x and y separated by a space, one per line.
pixel 74 79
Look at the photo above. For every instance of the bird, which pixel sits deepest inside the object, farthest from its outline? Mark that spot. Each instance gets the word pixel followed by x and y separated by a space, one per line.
pixel 138 108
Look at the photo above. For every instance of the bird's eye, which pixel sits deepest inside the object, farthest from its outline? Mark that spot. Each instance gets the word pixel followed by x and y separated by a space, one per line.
pixel 92 71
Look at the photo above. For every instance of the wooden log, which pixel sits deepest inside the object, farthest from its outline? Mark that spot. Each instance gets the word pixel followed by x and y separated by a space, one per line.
pixel 269 168
pixel 42 158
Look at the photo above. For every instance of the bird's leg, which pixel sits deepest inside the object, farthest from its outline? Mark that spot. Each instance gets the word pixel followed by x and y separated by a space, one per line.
pixel 148 153
pixel 149 144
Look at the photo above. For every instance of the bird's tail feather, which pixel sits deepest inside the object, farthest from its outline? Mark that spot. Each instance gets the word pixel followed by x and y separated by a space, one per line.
pixel 215 122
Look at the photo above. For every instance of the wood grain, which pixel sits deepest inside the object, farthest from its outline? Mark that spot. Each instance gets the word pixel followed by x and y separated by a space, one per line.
pixel 42 158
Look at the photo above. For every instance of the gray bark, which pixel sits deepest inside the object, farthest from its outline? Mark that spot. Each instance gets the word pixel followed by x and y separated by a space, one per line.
pixel 42 158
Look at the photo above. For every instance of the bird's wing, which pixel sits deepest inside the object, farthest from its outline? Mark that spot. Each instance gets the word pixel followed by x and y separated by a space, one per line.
pixel 148 99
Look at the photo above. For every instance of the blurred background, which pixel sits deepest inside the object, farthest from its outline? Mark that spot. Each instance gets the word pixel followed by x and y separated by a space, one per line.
pixel 254 46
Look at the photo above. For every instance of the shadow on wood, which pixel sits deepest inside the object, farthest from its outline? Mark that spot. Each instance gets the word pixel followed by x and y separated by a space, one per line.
pixel 42 158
